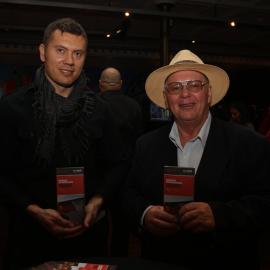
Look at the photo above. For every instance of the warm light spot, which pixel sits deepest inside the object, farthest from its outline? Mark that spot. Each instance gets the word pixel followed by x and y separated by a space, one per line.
pixel 232 23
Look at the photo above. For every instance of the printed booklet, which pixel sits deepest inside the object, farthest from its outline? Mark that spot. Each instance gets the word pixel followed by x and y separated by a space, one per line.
pixel 70 193
pixel 178 186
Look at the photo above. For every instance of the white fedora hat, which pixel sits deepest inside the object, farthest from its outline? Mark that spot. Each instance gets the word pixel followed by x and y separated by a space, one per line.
pixel 186 60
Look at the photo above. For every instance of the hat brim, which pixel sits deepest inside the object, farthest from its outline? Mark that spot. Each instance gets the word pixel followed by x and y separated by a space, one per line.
pixel 218 80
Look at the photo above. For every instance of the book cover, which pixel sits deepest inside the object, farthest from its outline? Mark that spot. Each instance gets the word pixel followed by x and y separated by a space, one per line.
pixel 70 193
pixel 65 265
pixel 178 186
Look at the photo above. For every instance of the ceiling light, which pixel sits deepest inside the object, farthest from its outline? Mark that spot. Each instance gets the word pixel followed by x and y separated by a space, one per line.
pixel 127 14
pixel 232 24
pixel 193 41
pixel 108 35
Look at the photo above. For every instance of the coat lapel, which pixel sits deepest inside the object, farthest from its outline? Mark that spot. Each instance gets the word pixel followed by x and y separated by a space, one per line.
pixel 213 162
pixel 169 151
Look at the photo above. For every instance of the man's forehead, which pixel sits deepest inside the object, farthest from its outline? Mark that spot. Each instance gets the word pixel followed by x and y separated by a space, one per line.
pixel 66 39
pixel 58 34
pixel 184 73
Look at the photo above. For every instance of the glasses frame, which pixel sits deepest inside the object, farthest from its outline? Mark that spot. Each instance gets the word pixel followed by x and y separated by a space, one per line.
pixel 183 84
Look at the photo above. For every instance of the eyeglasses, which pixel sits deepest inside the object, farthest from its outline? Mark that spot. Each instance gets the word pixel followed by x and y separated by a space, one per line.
pixel 193 86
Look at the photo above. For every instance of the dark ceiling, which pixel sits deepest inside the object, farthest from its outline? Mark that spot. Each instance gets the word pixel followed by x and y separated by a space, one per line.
pixel 141 40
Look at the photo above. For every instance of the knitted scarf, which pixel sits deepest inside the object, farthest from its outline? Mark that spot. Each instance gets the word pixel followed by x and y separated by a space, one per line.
pixel 63 117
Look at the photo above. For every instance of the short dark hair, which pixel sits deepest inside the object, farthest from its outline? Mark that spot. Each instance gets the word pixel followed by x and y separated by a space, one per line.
pixel 68 25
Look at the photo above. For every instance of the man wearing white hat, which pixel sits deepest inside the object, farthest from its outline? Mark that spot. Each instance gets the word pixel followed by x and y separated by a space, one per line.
pixel 217 225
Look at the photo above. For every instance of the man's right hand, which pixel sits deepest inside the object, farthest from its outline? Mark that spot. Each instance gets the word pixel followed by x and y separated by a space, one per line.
pixel 160 222
pixel 54 222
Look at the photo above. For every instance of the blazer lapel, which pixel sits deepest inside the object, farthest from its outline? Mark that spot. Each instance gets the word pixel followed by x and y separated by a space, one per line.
pixel 212 162
pixel 169 150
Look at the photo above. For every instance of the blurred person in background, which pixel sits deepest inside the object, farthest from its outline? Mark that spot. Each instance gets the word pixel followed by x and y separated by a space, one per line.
pixel 127 116
pixel 239 114
pixel 264 127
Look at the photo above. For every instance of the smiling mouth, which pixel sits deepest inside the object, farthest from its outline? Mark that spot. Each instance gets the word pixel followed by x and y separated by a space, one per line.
pixel 186 106
pixel 66 71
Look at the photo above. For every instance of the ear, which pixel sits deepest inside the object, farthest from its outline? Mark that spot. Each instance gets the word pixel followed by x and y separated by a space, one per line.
pixel 100 85
pixel 165 99
pixel 42 52
pixel 209 94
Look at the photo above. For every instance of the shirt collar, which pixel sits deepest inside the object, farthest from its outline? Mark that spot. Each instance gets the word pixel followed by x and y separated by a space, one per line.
pixel 202 135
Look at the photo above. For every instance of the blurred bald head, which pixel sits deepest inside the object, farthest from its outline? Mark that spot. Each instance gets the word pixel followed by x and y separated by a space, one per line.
pixel 110 80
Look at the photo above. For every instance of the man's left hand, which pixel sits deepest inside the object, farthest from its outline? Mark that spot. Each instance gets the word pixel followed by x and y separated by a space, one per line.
pixel 92 209
pixel 196 217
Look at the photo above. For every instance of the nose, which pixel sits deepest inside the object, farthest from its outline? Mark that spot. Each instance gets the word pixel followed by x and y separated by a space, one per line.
pixel 184 91
pixel 69 59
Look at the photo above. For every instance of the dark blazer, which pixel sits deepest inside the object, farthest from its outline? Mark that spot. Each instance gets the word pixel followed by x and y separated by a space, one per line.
pixel 233 177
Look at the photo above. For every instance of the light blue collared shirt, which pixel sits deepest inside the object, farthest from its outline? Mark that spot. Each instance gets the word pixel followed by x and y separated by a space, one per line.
pixel 190 154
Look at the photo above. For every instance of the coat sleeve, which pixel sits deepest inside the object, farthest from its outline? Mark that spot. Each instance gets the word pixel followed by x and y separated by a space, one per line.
pixel 247 207
pixel 11 193
pixel 144 185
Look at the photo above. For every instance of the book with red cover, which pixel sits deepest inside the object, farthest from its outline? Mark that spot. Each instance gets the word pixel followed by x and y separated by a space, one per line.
pixel 178 186
pixel 70 193
pixel 65 265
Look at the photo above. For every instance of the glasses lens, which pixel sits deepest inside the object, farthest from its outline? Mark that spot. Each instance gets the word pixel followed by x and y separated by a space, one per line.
pixel 194 86
pixel 174 87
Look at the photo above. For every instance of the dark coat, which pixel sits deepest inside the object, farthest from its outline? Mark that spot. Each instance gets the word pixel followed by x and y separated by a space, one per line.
pixel 127 116
pixel 24 182
pixel 233 177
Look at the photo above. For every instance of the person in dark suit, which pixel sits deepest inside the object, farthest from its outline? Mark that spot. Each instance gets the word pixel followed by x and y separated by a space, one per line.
pixel 218 224
pixel 125 110
pixel 57 122
pixel 127 116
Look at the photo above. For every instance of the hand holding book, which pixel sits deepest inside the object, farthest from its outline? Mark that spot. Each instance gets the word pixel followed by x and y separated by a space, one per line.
pixel 197 217
pixel 54 222
pixel 92 210
pixel 160 222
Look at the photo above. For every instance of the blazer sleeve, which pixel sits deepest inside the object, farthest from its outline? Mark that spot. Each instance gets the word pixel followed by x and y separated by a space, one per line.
pixel 144 185
pixel 246 175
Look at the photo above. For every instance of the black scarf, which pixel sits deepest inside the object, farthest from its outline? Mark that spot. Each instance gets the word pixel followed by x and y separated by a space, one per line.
pixel 63 117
